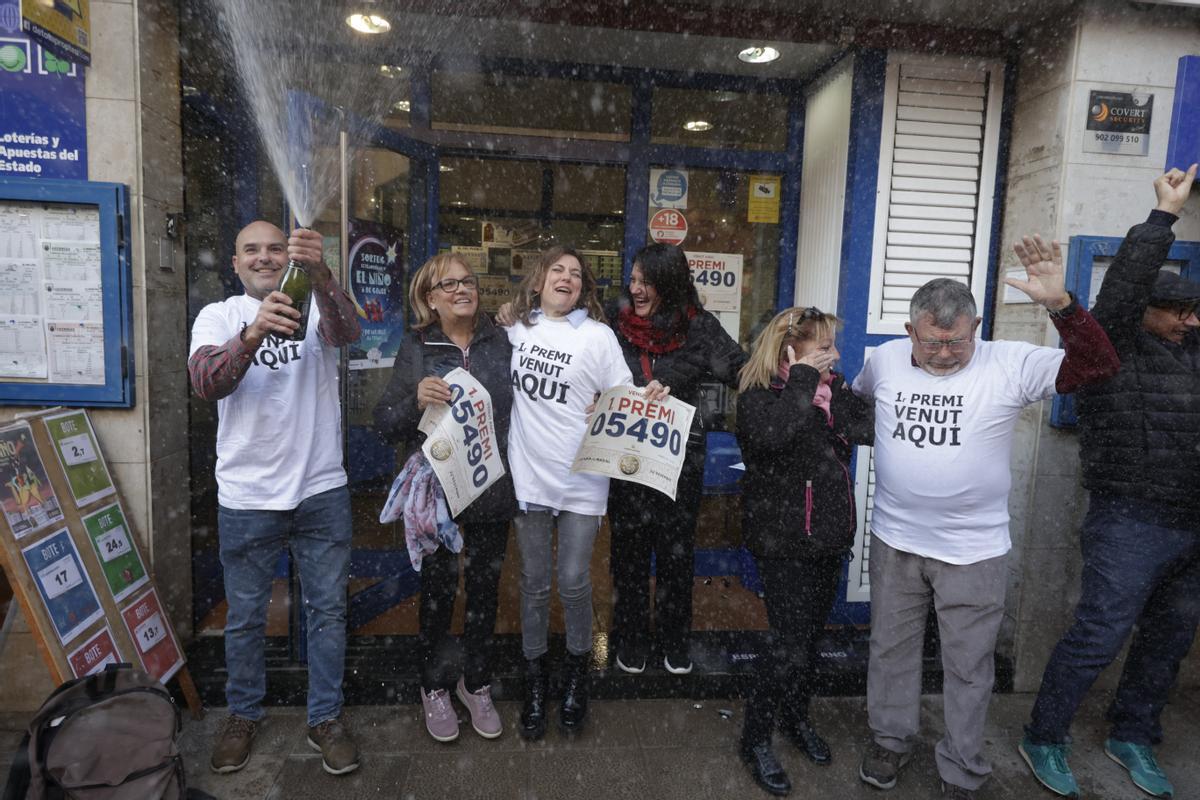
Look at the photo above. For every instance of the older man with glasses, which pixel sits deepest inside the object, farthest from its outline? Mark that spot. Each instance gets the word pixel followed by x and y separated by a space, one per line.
pixel 946 406
pixel 1140 433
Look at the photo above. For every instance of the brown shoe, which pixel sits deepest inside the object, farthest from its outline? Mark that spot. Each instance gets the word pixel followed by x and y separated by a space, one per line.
pixel 339 754
pixel 232 748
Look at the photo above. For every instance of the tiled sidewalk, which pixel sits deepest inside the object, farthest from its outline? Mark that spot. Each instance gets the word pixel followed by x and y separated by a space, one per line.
pixel 661 749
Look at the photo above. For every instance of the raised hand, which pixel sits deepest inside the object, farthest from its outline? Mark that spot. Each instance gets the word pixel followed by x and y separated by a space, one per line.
pixel 1173 188
pixel 1044 266
pixel 820 360
pixel 305 246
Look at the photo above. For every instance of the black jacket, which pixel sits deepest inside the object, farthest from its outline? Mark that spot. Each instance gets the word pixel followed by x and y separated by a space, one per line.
pixel 798 493
pixel 708 355
pixel 430 352
pixel 1140 431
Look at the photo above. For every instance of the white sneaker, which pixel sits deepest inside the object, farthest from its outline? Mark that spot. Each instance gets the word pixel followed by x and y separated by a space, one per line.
pixel 684 670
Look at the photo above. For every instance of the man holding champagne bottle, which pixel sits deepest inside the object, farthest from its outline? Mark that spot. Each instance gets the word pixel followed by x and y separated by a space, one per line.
pixel 279 473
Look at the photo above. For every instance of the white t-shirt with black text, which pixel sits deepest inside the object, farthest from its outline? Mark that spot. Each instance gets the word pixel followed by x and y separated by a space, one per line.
pixel 558 367
pixel 279 433
pixel 942 445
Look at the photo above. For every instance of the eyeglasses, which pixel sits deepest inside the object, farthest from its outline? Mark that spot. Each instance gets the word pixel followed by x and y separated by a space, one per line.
pixel 1181 311
pixel 450 285
pixel 934 346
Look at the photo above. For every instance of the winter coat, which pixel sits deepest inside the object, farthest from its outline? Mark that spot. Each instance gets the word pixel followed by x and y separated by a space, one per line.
pixel 798 493
pixel 708 355
pixel 429 351
pixel 1140 431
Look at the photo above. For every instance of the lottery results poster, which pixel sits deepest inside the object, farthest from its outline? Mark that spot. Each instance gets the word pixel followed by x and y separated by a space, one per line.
pixel 63 583
pixel 460 441
pixel 95 654
pixel 26 495
pixel 633 440
pixel 75 443
pixel 109 534
pixel 155 643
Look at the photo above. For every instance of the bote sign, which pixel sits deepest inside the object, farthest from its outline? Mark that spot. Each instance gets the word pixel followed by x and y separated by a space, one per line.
pixel 668 226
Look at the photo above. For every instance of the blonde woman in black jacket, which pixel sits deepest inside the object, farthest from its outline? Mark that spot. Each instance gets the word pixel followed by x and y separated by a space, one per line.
pixel 450 331
pixel 798 423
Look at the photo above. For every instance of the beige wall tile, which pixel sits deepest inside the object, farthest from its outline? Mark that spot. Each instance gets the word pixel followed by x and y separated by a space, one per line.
pixel 121 432
pixel 112 142
pixel 112 74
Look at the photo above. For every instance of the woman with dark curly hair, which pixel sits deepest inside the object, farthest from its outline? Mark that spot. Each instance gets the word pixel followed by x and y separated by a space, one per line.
pixel 666 335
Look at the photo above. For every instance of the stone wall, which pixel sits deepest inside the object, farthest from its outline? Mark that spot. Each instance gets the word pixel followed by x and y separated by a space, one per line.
pixel 133 137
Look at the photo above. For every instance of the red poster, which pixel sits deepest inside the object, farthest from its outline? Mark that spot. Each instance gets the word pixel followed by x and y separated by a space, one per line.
pixel 152 636
pixel 95 654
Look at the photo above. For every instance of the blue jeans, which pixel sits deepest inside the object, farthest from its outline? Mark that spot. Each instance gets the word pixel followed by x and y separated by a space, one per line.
pixel 1134 573
pixel 318 532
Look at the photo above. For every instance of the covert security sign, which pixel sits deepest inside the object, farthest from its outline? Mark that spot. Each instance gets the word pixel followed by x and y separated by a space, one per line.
pixel 634 440
pixel 1118 123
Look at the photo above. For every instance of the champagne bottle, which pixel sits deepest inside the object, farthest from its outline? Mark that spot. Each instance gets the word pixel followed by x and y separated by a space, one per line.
pixel 297 285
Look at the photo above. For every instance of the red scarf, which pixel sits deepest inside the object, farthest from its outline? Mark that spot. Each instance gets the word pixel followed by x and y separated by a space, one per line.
pixel 645 335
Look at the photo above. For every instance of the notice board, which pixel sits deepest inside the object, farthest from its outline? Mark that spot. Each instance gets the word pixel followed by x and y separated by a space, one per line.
pixel 72 557
pixel 65 293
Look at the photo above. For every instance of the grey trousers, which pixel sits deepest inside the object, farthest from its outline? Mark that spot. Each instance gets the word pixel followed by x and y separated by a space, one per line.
pixel 969 601
pixel 535 537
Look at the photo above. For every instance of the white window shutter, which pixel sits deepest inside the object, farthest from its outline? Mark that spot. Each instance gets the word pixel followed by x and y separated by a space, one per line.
pixel 858 585
pixel 937 175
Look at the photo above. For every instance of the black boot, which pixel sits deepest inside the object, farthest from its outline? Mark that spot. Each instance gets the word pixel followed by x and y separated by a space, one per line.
pixel 807 740
pixel 765 767
pixel 575 693
pixel 533 715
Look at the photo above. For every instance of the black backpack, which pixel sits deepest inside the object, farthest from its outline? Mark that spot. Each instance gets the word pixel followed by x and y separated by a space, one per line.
pixel 107 736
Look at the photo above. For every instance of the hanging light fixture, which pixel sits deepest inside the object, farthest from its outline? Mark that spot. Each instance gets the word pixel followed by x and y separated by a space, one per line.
pixel 697 125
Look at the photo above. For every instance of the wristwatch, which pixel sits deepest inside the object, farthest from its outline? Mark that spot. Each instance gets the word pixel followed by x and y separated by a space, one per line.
pixel 1066 310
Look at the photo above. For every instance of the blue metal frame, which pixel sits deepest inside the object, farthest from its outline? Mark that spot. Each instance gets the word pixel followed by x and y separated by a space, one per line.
pixel 1081 253
pixel 1183 140
pixel 112 200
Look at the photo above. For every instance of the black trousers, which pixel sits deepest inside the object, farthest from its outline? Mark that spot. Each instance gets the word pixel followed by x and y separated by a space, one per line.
pixel 483 557
pixel 643 521
pixel 799 597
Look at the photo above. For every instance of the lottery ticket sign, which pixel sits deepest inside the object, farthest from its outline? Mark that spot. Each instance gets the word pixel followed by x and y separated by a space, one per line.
pixel 64 584
pixel 75 444
pixel 460 441
pixel 119 559
pixel 718 280
pixel 95 654
pixel 153 638
pixel 633 440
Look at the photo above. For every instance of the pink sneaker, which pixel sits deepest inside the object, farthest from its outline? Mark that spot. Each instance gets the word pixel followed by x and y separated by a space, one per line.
pixel 440 719
pixel 484 717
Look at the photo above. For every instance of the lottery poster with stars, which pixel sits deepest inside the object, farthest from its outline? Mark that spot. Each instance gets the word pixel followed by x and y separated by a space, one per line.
pixel 376 274
pixel 26 495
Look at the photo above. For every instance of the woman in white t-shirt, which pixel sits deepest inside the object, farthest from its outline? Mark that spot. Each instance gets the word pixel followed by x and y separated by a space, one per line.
pixel 563 356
